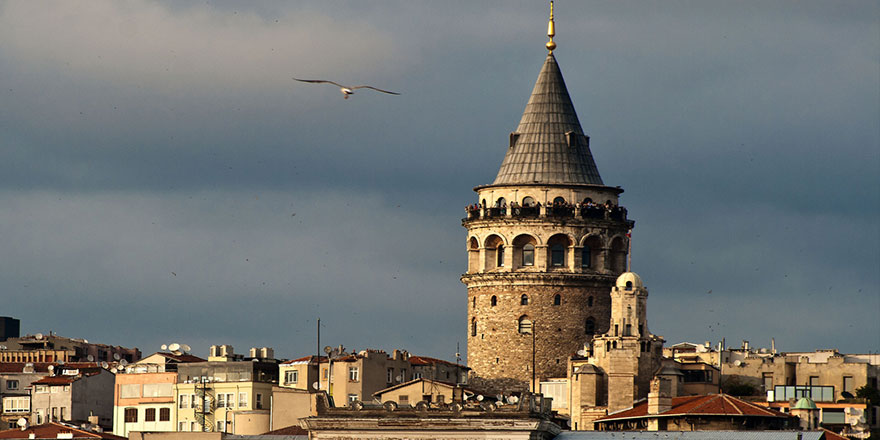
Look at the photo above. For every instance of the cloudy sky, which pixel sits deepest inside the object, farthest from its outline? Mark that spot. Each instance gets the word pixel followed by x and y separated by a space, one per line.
pixel 163 179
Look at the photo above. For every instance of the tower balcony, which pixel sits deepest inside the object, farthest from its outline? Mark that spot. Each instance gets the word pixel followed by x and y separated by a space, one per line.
pixel 566 212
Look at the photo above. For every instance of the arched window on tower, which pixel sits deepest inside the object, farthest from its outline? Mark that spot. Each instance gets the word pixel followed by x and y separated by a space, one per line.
pixel 557 299
pixel 524 325
pixel 590 301
pixel 524 300
pixel 494 301
pixel 500 255
pixel 586 256
pixel 557 255
pixel 590 326
pixel 528 202
pixel 528 254
pixel 473 326
pixel 559 200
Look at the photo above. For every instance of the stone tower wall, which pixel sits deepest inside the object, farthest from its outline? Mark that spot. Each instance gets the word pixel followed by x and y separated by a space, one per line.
pixel 499 354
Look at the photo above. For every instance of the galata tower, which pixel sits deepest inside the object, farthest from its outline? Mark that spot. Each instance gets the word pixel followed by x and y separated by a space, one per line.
pixel 546 242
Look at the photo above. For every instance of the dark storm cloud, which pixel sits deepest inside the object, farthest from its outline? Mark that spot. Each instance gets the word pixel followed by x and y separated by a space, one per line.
pixel 142 139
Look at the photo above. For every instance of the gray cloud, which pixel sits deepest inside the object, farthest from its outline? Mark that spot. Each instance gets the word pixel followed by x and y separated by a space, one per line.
pixel 142 139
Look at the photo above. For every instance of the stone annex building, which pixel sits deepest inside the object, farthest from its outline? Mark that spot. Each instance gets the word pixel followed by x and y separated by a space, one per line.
pixel 546 242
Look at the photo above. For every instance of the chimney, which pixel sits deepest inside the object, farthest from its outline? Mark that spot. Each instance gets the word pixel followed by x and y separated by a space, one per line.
pixel 658 398
pixel 254 352
pixel 745 345
pixel 93 420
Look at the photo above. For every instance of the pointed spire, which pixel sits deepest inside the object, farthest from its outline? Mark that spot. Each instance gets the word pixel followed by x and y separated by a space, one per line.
pixel 549 146
pixel 551 30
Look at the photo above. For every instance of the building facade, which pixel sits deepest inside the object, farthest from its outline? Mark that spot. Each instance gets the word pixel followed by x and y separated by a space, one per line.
pixel 545 242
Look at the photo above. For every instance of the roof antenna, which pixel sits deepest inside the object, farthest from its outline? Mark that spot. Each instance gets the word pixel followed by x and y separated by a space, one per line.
pixel 551 30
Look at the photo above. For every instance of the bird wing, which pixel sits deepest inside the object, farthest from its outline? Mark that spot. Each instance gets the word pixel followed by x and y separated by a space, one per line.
pixel 320 81
pixel 374 88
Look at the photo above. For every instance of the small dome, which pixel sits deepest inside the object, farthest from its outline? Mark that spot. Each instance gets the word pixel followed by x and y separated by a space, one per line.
pixel 629 279
pixel 804 403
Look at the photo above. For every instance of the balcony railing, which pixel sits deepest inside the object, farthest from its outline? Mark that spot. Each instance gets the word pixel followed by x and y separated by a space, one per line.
pixel 597 212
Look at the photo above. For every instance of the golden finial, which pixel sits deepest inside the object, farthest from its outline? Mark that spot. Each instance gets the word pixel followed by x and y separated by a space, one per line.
pixel 551 30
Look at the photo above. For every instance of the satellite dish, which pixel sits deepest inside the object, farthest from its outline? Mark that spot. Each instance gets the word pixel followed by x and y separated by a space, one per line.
pixel 123 362
pixel 499 398
pixel 114 370
pixel 511 399
pixel 316 385
pixel 582 353
pixel 22 423
pixel 186 347
pixel 90 358
pixel 328 349
pixel 104 364
pixel 50 368
pixel 116 356
pixel 399 378
pixel 164 347
pixel 737 362
pixel 38 336
pixel 174 347
pixel 480 398
pixel 514 398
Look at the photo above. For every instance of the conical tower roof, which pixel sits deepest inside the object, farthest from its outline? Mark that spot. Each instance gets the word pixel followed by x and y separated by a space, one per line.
pixel 549 146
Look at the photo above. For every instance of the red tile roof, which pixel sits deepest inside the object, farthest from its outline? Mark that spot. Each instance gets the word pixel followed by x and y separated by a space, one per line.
pixel 311 359
pixel 290 430
pixel 713 404
pixel 425 360
pixel 55 380
pixel 181 357
pixel 52 429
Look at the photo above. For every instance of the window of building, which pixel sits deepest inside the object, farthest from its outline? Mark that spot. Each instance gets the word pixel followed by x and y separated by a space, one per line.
pixel 221 426
pixel 474 302
pixel 61 413
pixel 590 302
pixel 494 301
pixel 130 414
pixel 848 385
pixel 524 300
pixel 524 325
pixel 242 400
pixel 403 399
pixel 352 398
pixel 41 389
pixel 291 376
pixel 182 426
pixel 590 326
pixel 557 255
pixel 814 381
pixel 528 254
pixel 150 415
pixel 353 374
pixel 403 374
pixel 473 326
pixel 39 416
pixel 500 254
pixel 417 375
pixel 195 427
pixel 11 384
pixel 18 404
pixel 325 373
pixel 55 413
pixel 528 202
pixel 164 414
pixel 586 256
pixel 158 390
pixel 389 378
pixel 258 401
pixel 221 400
pixel 183 401
pixel 768 381
pixel 557 299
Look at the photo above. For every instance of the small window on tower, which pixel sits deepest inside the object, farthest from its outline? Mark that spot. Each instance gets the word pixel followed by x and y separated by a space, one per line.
pixel 473 326
pixel 500 254
pixel 590 302
pixel 524 325
pixel 590 326
pixel 557 300
pixel 524 300
pixel 494 301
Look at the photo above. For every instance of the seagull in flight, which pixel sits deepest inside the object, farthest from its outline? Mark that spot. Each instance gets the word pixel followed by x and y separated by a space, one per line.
pixel 346 90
